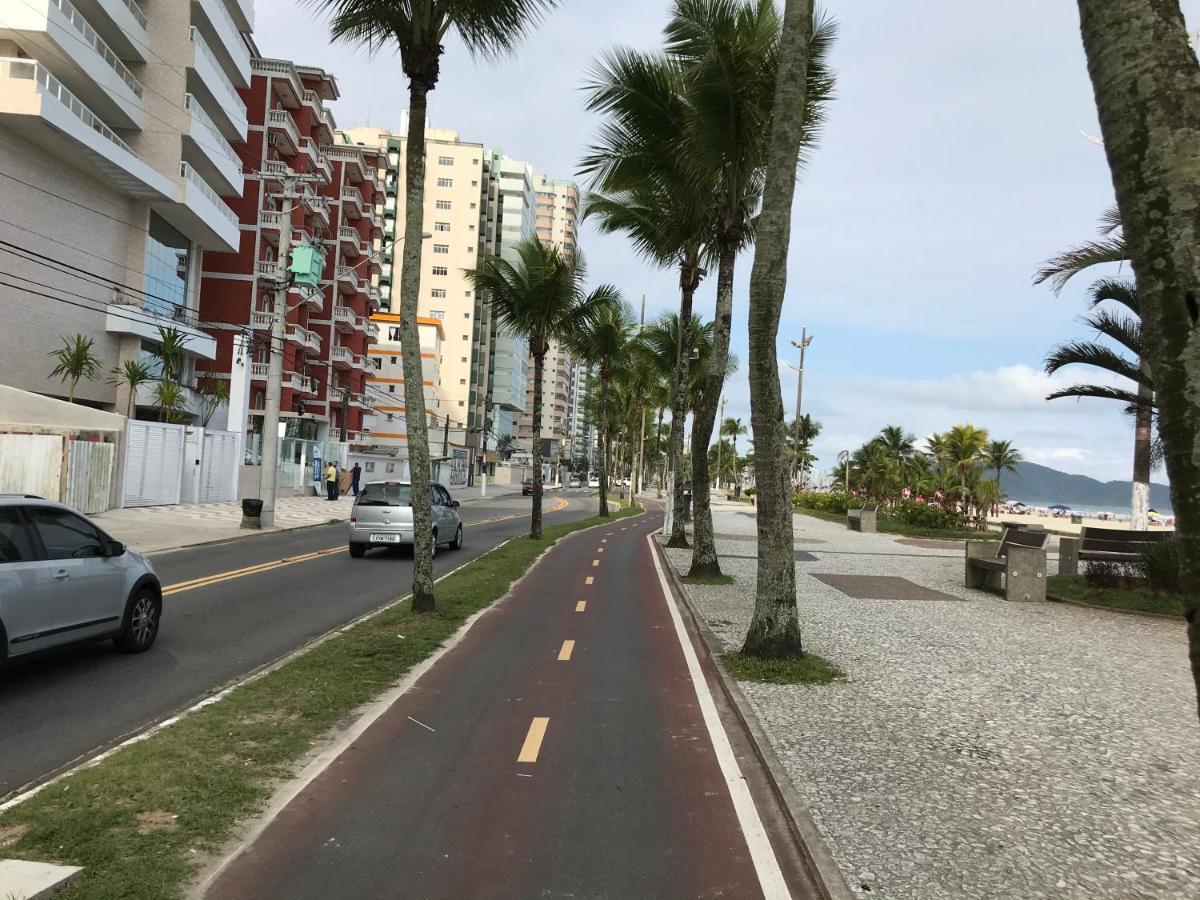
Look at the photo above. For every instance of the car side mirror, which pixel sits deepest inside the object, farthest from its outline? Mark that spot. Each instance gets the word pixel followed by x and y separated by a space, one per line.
pixel 116 548
pixel 454 504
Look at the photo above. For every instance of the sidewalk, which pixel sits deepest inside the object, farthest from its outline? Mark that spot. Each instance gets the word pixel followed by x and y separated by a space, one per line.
pixel 978 748
pixel 154 529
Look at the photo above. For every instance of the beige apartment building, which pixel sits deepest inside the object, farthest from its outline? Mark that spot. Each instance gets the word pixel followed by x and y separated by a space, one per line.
pixel 453 171
pixel 116 125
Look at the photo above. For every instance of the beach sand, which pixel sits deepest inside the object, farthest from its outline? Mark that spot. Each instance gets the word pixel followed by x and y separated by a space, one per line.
pixel 1064 526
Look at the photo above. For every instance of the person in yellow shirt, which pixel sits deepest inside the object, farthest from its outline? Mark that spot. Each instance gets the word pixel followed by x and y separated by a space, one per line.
pixel 331 480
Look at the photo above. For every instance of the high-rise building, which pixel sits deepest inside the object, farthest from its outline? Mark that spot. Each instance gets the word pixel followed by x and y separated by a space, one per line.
pixel 116 126
pixel 293 149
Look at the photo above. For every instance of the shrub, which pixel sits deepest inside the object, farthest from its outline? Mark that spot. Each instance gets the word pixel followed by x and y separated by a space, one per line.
pixel 750 492
pixel 925 515
pixel 1159 565
pixel 1107 574
pixel 827 502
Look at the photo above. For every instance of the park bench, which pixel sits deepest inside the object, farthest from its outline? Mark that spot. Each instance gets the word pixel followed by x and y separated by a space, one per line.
pixel 1020 559
pixel 1114 545
pixel 862 519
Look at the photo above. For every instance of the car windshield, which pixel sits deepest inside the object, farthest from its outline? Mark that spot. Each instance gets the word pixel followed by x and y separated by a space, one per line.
pixel 388 493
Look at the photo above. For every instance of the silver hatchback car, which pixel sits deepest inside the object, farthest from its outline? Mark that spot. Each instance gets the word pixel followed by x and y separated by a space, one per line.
pixel 383 517
pixel 64 580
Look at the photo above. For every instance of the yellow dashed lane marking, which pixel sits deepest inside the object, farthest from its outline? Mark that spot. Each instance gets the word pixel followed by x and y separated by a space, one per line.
pixel 589 580
pixel 533 740
pixel 595 562
pixel 581 606
pixel 568 648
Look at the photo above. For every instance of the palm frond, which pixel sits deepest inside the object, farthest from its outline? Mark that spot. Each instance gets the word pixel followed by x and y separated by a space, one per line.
pixel 1119 290
pixel 1102 392
pixel 1085 353
pixel 1062 268
pixel 1125 330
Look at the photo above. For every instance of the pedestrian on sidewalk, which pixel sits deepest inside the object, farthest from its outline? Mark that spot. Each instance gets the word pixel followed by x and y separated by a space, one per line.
pixel 355 475
pixel 331 475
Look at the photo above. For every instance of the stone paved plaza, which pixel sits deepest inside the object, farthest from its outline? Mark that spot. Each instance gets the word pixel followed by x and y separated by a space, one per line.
pixel 979 748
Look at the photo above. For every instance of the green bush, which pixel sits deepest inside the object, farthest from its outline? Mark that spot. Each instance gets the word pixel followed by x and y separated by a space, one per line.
pixel 1160 566
pixel 925 515
pixel 827 502
pixel 750 492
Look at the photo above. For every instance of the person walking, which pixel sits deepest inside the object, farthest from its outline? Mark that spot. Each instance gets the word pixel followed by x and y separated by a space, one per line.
pixel 355 475
pixel 331 475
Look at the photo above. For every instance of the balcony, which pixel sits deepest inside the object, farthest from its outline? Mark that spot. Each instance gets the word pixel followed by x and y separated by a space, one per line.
pixel 311 297
pixel 227 43
pixel 284 79
pixel 126 26
pixel 335 435
pixel 350 241
pixel 373 296
pixel 347 280
pixel 269 270
pixel 73 51
pixel 351 159
pixel 203 215
pixel 39 107
pixel 282 131
pixel 308 340
pixel 208 150
pixel 341 357
pixel 352 202
pixel 344 319
pixel 145 322
pixel 371 329
pixel 258 371
pixel 325 118
pixel 298 383
pixel 317 161
pixel 206 78
pixel 260 320
pixel 270 223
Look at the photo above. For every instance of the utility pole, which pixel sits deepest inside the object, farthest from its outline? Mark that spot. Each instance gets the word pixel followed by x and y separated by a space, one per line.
pixel 276 341
pixel 805 340
pixel 720 428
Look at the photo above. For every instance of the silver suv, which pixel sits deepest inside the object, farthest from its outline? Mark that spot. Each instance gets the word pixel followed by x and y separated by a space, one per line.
pixel 63 580
pixel 383 517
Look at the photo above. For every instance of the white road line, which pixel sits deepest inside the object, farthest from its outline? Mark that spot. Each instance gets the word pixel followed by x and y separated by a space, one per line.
pixel 770 878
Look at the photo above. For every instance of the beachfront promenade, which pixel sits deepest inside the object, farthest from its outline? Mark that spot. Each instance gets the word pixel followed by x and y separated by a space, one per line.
pixel 977 748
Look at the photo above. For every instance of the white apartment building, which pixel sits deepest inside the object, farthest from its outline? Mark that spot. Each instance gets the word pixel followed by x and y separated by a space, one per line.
pixel 116 125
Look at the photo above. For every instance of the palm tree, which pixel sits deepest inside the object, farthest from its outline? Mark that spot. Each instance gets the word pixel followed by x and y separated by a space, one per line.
pixel 1001 456
pixel 602 342
pixel 171 353
pixel 418 29
pixel 75 361
pixel 541 298
pixel 900 447
pixel 133 373
pixel 170 399
pixel 731 428
pixel 964 447
pixel 640 187
pixel 775 628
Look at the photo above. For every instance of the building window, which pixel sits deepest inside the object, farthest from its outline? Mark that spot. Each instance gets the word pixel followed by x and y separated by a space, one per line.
pixel 168 254
pixel 472 206
pixel 440 270
pixel 445 182
pixel 439 314
pixel 462 381
pixel 442 204
pixel 474 184
pixel 466 315
pixel 464 359
pixel 393 359
pixel 391 389
pixel 445 160
pixel 438 293
pixel 441 248
pixel 466 337
pixel 393 333
pixel 377 362
pixel 441 226
pixel 460 403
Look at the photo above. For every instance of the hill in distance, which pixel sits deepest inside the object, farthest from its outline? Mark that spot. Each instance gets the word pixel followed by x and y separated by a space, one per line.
pixel 1041 486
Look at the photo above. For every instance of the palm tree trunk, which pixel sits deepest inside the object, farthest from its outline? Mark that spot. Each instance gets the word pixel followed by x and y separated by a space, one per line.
pixel 679 406
pixel 71 390
pixel 658 467
pixel 775 628
pixel 1140 499
pixel 539 362
pixel 410 345
pixel 704 555
pixel 604 378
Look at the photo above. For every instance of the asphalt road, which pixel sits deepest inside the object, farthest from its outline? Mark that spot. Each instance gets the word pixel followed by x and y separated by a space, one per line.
pixel 59 709
pixel 560 750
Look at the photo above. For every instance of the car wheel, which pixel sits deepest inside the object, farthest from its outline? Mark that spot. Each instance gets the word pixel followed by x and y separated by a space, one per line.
pixel 140 628
pixel 357 550
pixel 458 539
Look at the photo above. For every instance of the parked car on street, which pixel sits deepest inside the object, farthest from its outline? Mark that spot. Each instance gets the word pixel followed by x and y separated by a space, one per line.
pixel 526 487
pixel 574 482
pixel 594 480
pixel 382 517
pixel 63 580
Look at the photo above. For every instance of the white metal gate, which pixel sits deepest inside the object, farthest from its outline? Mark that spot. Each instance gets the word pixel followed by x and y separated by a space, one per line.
pixel 219 466
pixel 153 464
pixel 89 475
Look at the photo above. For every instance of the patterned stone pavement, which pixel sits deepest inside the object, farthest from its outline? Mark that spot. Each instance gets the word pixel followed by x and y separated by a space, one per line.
pixel 978 749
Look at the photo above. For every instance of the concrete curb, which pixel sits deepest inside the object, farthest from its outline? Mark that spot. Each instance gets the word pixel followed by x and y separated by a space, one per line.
pixel 1166 617
pixel 804 829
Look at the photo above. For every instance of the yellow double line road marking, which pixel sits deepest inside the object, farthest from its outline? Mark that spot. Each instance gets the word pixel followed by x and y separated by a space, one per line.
pixel 205 581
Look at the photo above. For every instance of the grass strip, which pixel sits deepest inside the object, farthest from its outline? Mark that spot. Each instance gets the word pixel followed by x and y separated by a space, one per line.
pixel 1077 589
pixel 887 525
pixel 140 821
pixel 806 669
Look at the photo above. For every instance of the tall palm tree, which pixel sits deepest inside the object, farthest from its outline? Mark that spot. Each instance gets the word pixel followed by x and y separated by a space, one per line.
pixel 602 342
pixel 731 428
pixel 171 353
pixel 640 187
pixel 964 447
pixel 900 447
pixel 418 29
pixel 75 361
pixel 1001 456
pixel 132 373
pixel 541 297
pixel 807 430
pixel 775 628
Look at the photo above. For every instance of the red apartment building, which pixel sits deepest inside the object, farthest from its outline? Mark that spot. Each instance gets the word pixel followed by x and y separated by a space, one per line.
pixel 329 331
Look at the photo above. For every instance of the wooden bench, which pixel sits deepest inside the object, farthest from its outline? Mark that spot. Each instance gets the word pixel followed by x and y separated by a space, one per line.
pixel 862 519
pixel 1020 558
pixel 1115 545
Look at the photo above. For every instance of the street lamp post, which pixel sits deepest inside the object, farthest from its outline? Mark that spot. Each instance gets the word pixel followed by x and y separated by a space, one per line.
pixel 802 345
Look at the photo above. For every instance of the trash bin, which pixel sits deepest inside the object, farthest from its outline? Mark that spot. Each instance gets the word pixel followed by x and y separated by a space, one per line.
pixel 251 513
pixel 737 492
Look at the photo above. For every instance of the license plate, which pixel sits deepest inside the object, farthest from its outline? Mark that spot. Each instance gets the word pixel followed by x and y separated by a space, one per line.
pixel 385 539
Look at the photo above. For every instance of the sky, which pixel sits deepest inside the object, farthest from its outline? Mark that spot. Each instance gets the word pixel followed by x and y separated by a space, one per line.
pixel 954 160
